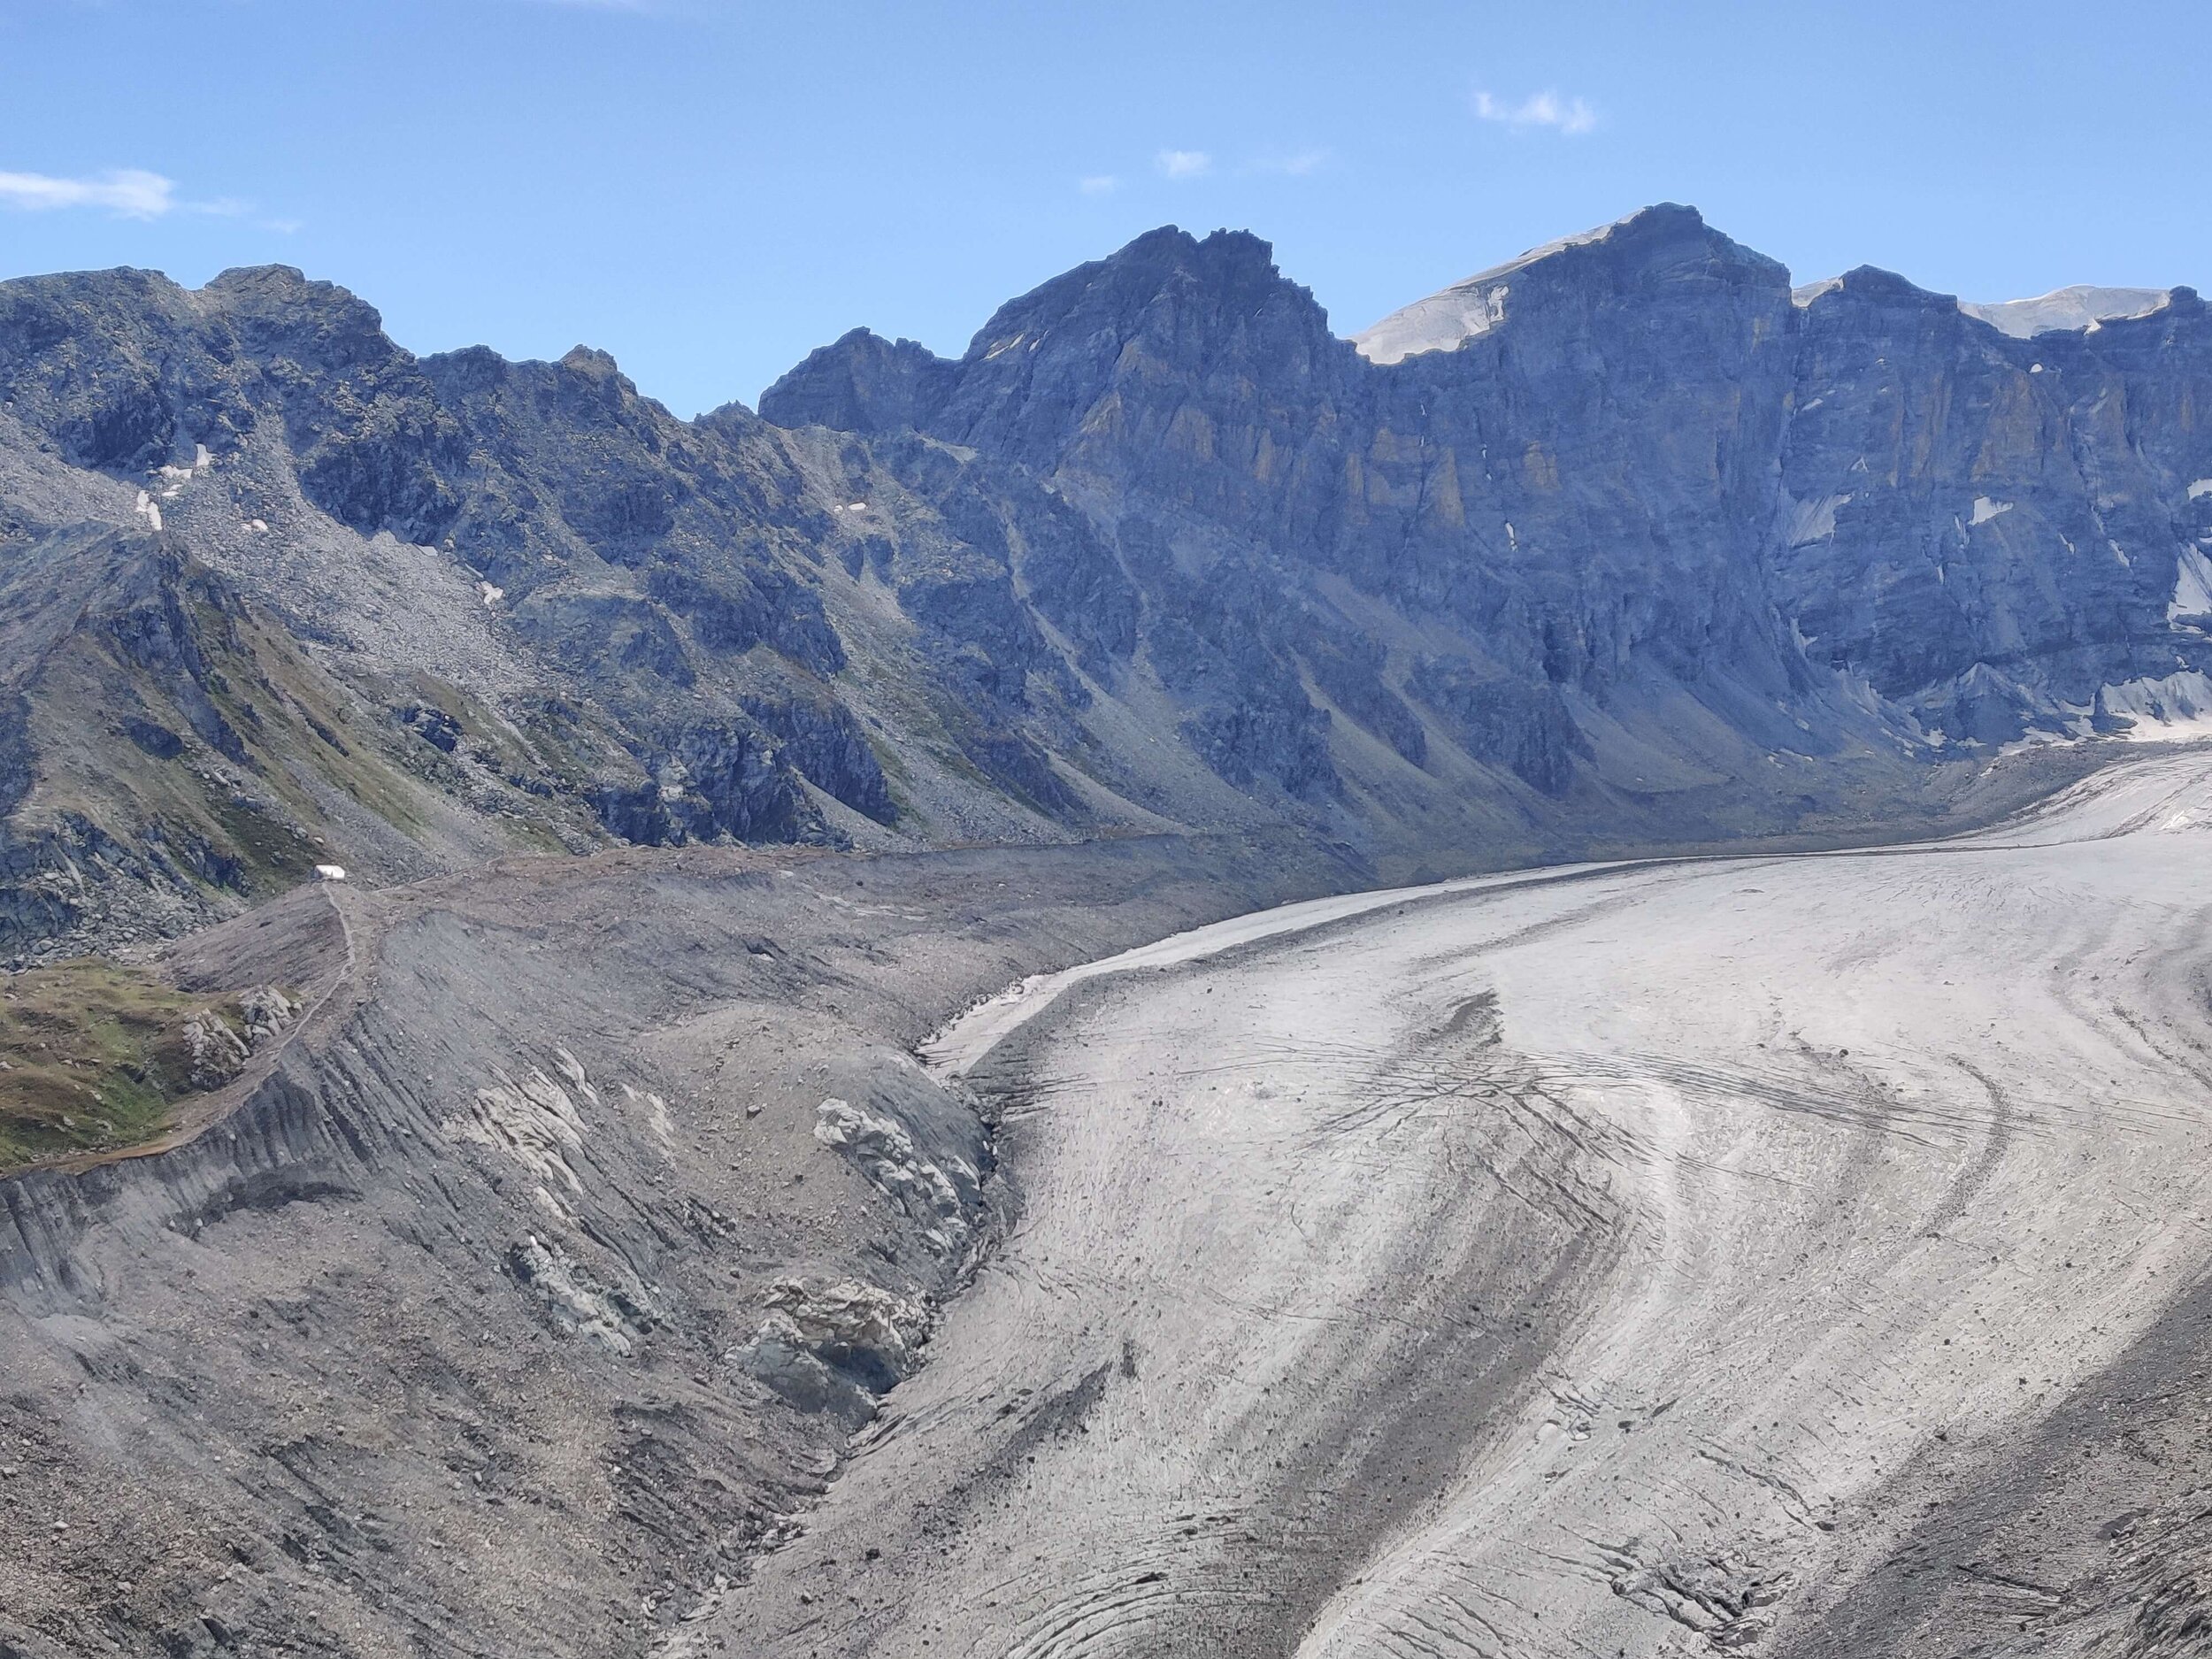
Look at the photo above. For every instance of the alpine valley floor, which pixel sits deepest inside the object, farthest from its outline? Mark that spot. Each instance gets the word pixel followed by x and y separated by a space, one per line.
pixel 1804 1253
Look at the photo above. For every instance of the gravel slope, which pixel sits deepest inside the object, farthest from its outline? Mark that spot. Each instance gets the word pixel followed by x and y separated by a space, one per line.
pixel 1628 1260
pixel 436 1333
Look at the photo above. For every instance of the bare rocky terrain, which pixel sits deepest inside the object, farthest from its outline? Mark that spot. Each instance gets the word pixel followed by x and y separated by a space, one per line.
pixel 532 1285
pixel 515 1133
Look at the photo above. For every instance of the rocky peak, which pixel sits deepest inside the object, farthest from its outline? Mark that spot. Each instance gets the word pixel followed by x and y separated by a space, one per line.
pixel 1868 316
pixel 591 378
pixel 1168 318
pixel 1872 285
pixel 861 382
pixel 276 311
pixel 471 369
pixel 1229 272
pixel 1168 306
pixel 98 361
pixel 49 306
pixel 1638 259
pixel 589 360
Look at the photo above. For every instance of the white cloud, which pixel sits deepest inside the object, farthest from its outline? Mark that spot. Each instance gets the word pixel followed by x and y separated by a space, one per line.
pixel 1099 184
pixel 1541 109
pixel 1298 163
pixel 126 192
pixel 131 193
pixel 1185 164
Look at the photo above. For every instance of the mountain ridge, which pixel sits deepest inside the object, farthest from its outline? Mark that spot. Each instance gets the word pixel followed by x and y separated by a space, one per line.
pixel 1664 551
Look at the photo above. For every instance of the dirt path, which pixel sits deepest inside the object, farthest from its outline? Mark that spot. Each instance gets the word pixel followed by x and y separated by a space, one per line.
pixel 1579 1266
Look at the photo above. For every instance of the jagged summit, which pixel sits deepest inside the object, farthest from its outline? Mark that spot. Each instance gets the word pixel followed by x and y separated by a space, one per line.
pixel 862 382
pixel 1166 304
pixel 859 382
pixel 1166 286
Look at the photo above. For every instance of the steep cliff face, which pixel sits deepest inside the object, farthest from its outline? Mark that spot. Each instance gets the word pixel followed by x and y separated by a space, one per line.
pixel 1636 455
pixel 1610 443
pixel 1545 510
pixel 1997 531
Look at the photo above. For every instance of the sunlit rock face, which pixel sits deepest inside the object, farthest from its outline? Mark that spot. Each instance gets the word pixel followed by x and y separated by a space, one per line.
pixel 1972 511
pixel 1636 450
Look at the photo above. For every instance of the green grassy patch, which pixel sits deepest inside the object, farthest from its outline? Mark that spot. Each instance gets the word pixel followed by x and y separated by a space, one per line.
pixel 94 1054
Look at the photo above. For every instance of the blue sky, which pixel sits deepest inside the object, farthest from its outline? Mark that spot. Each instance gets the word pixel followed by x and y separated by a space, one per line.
pixel 710 189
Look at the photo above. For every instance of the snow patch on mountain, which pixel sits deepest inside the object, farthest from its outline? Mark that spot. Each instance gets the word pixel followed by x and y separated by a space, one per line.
pixel 1446 320
pixel 1814 520
pixel 2068 309
pixel 2192 586
pixel 1443 322
pixel 2178 705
